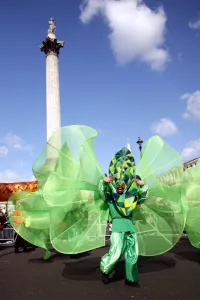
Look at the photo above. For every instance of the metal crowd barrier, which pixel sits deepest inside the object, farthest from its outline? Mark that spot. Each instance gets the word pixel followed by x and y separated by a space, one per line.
pixel 7 236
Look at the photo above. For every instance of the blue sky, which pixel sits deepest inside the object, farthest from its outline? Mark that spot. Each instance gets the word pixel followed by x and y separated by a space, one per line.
pixel 122 71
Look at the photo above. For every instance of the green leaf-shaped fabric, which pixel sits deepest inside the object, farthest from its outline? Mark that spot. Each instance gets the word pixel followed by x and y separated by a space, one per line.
pixel 192 196
pixel 68 211
pixel 161 219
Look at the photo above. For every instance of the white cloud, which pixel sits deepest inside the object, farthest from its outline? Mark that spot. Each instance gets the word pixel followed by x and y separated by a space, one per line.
pixel 32 178
pixel 192 105
pixel 195 25
pixel 9 176
pixel 164 127
pixel 3 151
pixel 136 31
pixel 13 141
pixel 192 150
pixel 14 176
pixel 16 142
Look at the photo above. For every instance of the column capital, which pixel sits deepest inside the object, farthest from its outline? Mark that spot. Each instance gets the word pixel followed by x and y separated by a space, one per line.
pixel 51 46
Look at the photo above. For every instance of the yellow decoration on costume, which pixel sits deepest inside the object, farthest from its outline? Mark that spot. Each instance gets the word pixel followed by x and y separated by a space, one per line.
pixel 124 211
pixel 134 204
pixel 126 203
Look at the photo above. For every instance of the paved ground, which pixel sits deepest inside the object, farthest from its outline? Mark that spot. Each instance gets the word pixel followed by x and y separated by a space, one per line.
pixel 173 276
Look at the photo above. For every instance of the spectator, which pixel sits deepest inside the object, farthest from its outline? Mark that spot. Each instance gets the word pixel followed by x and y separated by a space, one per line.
pixel 2 220
pixel 2 226
pixel 4 210
pixel 8 229
pixel 20 243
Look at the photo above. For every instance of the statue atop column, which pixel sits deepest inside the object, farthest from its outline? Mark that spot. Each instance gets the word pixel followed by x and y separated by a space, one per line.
pixel 52 29
pixel 51 45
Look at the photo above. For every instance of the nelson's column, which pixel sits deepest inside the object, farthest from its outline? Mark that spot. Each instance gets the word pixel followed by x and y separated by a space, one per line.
pixel 51 47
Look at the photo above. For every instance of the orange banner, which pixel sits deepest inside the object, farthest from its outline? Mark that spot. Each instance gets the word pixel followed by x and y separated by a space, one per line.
pixel 7 189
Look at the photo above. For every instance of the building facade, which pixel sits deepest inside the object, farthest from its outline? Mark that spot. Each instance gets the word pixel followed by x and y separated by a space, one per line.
pixel 191 163
pixel 170 177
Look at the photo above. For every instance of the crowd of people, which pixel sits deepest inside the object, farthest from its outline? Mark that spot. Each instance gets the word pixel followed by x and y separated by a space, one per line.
pixel 6 231
pixel 9 236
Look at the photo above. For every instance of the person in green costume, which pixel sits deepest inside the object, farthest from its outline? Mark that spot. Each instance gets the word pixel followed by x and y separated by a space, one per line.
pixel 122 191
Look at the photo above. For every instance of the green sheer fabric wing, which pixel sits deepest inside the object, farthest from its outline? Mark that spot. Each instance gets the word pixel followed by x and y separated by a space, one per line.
pixel 192 187
pixel 25 207
pixel 68 175
pixel 160 221
pixel 75 190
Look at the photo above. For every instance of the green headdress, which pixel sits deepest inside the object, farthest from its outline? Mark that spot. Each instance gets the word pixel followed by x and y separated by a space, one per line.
pixel 122 167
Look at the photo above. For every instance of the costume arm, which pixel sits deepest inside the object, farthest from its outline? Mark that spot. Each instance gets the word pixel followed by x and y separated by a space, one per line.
pixel 143 194
pixel 104 190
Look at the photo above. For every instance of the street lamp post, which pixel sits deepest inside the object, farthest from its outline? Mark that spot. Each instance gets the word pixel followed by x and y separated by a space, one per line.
pixel 140 142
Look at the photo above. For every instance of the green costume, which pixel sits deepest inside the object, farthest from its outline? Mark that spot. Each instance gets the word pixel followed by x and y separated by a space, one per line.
pixel 68 212
pixel 192 196
pixel 124 237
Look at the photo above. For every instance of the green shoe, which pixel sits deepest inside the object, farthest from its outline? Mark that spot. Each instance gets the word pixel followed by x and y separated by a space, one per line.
pixel 47 255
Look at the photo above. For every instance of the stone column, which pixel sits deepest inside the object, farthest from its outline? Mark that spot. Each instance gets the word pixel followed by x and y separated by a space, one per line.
pixel 53 113
pixel 51 47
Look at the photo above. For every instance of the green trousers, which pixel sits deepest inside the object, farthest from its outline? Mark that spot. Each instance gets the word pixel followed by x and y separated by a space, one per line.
pixel 122 243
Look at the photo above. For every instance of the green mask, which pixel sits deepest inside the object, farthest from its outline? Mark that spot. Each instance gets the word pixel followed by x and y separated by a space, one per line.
pixel 122 167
